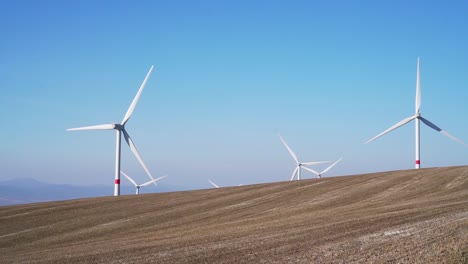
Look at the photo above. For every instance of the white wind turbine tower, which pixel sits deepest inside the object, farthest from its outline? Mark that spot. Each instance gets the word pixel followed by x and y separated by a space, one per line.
pixel 299 165
pixel 319 174
pixel 119 129
pixel 138 186
pixel 417 116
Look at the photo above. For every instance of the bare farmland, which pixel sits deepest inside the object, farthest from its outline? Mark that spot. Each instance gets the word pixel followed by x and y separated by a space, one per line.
pixel 414 216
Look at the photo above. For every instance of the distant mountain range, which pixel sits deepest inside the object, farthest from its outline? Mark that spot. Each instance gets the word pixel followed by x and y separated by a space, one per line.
pixel 28 190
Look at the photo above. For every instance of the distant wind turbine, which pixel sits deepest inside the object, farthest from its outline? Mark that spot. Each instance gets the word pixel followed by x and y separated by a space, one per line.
pixel 119 129
pixel 299 165
pixel 417 116
pixel 319 174
pixel 138 186
pixel 216 186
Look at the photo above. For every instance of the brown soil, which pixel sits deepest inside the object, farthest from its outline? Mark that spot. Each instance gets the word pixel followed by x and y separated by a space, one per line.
pixel 414 216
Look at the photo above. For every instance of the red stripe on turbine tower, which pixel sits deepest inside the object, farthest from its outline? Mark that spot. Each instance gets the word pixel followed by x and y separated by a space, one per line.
pixel 117 181
pixel 418 162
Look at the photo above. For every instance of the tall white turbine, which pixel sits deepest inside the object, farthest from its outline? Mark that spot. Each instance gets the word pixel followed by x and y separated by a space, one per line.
pixel 120 128
pixel 299 165
pixel 319 174
pixel 417 116
pixel 138 186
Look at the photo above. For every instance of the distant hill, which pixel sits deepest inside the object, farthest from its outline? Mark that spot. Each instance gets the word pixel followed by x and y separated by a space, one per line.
pixel 413 216
pixel 28 190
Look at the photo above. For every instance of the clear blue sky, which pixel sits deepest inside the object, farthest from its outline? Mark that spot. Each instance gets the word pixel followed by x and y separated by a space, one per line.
pixel 229 77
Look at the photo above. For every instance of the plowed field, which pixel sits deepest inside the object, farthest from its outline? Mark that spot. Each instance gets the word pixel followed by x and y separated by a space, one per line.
pixel 414 216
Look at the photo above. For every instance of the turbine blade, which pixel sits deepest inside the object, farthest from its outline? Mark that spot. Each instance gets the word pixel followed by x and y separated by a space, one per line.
pixel 128 178
pixel 289 149
pixel 97 127
pixel 155 180
pixel 148 183
pixel 397 125
pixel 133 148
pixel 438 129
pixel 314 162
pixel 162 177
pixel 418 91
pixel 137 97
pixel 294 173
pixel 331 166
pixel 311 170
pixel 212 183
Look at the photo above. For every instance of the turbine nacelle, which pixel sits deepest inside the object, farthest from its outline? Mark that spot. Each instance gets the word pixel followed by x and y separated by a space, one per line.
pixel 119 127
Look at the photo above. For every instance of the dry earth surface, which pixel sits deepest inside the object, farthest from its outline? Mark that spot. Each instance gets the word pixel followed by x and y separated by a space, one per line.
pixel 414 216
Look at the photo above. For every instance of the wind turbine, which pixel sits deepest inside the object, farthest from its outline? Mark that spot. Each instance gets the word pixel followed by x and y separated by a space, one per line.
pixel 417 116
pixel 216 186
pixel 325 170
pixel 119 129
pixel 299 165
pixel 138 186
